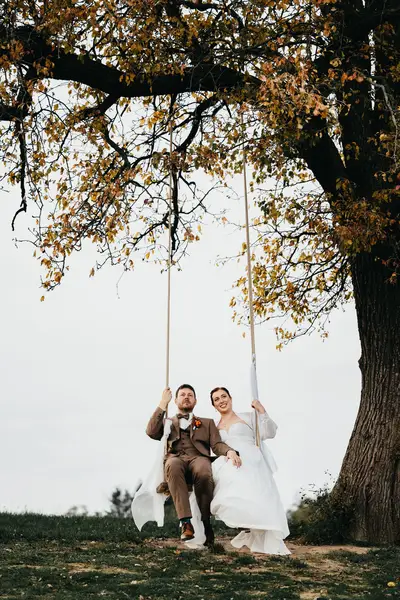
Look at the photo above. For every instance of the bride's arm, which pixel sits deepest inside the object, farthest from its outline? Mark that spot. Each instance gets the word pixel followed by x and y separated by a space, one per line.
pixel 267 426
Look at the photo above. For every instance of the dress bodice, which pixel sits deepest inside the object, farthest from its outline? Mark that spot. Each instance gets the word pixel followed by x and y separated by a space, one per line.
pixel 238 433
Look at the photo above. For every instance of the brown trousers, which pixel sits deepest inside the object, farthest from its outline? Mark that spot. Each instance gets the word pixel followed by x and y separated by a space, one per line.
pixel 198 468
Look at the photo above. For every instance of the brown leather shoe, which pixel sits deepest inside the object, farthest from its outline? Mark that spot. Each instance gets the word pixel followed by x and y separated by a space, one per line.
pixel 187 532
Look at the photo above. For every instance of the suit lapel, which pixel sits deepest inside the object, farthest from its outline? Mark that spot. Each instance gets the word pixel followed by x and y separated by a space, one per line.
pixel 192 431
pixel 193 436
pixel 175 431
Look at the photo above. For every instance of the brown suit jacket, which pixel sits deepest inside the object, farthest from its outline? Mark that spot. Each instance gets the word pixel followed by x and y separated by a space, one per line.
pixel 204 437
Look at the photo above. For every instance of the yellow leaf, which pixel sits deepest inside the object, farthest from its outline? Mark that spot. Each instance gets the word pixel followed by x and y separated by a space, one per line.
pixel 42 299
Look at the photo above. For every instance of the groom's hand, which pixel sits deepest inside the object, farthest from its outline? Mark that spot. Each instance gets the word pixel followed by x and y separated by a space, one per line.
pixel 235 458
pixel 165 399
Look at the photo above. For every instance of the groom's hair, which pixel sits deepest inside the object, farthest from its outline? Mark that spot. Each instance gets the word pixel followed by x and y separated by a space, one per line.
pixel 182 387
pixel 217 390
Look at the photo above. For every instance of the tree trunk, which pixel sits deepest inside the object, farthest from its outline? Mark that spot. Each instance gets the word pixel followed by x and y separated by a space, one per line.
pixel 369 480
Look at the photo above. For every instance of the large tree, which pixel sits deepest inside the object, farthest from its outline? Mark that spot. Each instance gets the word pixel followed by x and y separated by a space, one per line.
pixel 89 91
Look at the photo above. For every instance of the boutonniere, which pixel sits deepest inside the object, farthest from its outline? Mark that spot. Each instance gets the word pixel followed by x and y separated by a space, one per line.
pixel 196 423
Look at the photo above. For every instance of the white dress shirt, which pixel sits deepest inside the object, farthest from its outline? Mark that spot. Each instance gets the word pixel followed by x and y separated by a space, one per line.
pixel 185 423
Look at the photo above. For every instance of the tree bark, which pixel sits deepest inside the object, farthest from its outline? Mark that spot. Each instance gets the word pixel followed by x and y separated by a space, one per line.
pixel 369 480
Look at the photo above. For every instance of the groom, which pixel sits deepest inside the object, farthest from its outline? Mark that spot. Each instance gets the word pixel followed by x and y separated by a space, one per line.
pixel 188 457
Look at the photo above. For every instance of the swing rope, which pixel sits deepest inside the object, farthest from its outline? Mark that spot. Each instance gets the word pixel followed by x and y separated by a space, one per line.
pixel 169 263
pixel 249 276
pixel 250 283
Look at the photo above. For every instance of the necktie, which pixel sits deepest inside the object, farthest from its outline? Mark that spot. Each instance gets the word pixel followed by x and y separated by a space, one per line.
pixel 181 416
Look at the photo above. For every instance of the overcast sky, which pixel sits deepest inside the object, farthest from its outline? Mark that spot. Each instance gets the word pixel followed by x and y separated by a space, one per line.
pixel 82 372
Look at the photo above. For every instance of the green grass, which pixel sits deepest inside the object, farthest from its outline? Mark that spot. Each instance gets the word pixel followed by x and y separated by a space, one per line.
pixel 79 558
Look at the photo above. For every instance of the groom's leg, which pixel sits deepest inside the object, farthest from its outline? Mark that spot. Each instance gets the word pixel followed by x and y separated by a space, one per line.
pixel 175 469
pixel 200 468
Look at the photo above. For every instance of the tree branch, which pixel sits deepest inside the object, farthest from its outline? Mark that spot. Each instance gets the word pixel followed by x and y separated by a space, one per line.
pixel 101 108
pixel 23 154
pixel 322 157
pixel 11 113
pixel 205 76
pixel 196 120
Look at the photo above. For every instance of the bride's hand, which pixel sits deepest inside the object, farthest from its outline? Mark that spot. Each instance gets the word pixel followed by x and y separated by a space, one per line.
pixel 256 404
pixel 234 457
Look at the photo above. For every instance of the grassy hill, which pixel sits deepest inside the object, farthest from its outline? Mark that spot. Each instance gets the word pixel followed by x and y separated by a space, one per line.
pixel 79 558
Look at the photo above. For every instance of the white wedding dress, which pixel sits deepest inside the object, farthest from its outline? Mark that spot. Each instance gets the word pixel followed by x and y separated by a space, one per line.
pixel 247 497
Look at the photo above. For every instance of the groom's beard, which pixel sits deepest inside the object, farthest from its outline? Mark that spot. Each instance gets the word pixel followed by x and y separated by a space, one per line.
pixel 185 409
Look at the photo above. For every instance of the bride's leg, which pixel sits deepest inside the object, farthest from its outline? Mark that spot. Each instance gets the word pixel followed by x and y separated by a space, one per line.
pixel 175 469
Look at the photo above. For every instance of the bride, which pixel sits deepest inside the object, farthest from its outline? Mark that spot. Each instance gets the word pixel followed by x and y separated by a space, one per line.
pixel 247 497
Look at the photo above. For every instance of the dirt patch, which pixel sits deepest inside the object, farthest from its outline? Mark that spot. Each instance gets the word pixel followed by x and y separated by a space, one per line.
pixel 91 545
pixel 309 595
pixel 299 550
pixel 25 566
pixel 86 567
pixel 170 543
pixel 330 566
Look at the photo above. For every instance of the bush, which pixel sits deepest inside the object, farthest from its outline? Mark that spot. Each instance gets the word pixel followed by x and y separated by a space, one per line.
pixel 321 519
